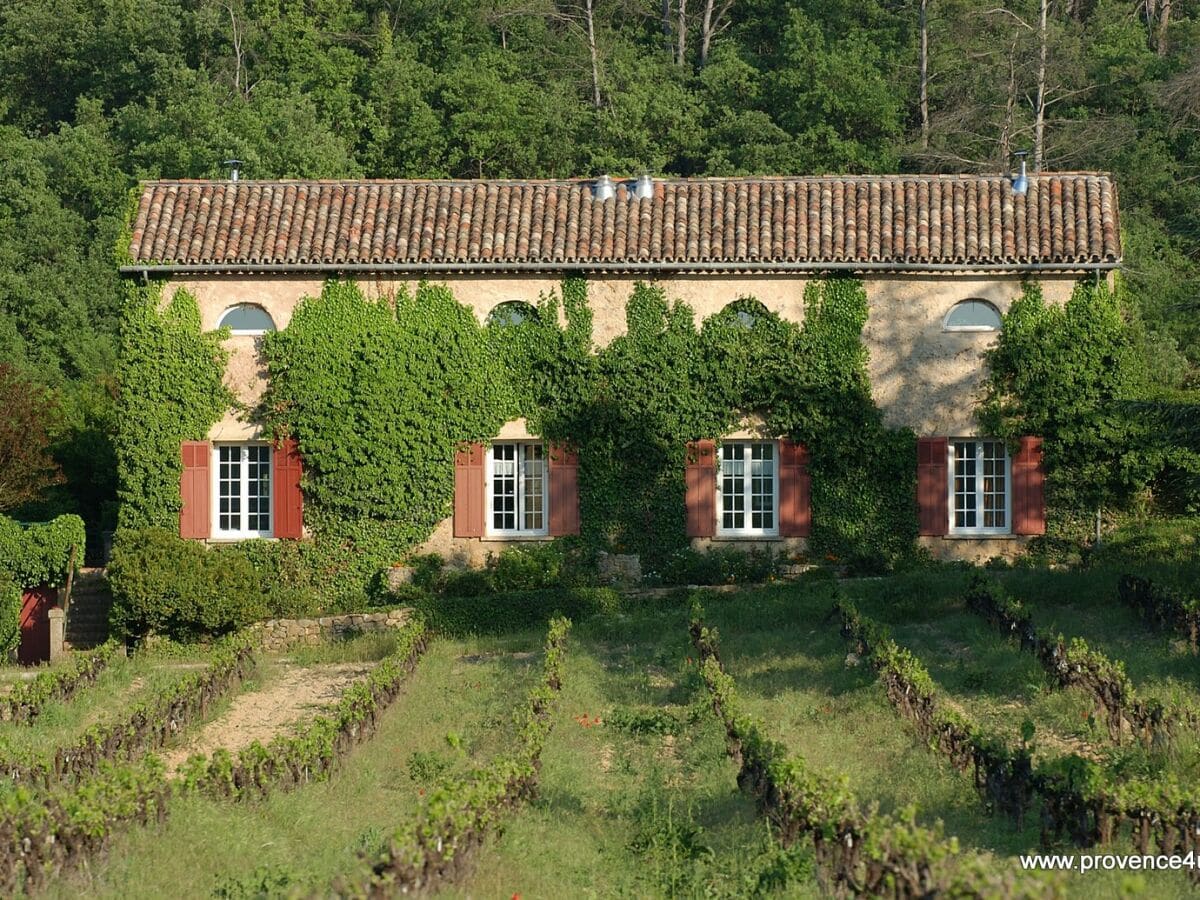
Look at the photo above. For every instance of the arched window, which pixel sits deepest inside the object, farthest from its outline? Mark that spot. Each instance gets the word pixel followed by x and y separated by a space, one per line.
pixel 972 315
pixel 512 312
pixel 745 312
pixel 246 318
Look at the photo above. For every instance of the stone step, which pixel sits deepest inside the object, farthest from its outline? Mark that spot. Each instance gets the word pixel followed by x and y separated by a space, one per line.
pixel 87 616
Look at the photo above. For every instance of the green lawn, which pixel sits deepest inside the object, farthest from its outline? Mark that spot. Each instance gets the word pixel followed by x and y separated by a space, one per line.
pixel 636 795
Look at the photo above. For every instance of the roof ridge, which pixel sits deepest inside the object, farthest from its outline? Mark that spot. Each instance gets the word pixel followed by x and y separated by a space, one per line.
pixel 663 179
pixel 893 222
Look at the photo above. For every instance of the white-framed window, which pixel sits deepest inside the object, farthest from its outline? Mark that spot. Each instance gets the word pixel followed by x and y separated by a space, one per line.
pixel 973 315
pixel 512 312
pixel 980 487
pixel 748 489
pixel 517 481
pixel 248 319
pixel 242 491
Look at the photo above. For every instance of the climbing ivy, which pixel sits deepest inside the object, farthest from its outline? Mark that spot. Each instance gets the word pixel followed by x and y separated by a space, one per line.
pixel 381 392
pixel 10 616
pixel 30 556
pixel 1062 372
pixel 40 553
pixel 171 390
pixel 632 407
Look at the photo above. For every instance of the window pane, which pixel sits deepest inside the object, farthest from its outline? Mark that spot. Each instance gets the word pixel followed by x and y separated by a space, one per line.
pixel 733 475
pixel 229 489
pixel 533 495
pixel 995 484
pixel 246 317
pixel 964 484
pixel 258 488
pixel 762 486
pixel 974 314
pixel 504 487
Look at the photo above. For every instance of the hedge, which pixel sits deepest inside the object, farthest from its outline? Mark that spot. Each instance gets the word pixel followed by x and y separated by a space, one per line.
pixel 1164 606
pixel 151 724
pixel 41 553
pixel 1075 664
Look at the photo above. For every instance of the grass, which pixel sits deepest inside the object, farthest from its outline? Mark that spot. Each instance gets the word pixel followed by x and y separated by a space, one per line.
pixel 121 685
pixel 636 794
pixel 644 801
pixel 457 705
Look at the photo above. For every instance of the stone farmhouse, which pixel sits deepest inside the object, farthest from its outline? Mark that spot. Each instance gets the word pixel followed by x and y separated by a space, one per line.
pixel 941 258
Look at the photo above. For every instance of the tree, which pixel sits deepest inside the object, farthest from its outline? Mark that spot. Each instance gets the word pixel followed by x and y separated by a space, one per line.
pixel 30 415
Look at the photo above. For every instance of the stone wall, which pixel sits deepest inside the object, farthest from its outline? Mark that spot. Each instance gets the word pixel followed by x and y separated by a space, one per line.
pixel 280 634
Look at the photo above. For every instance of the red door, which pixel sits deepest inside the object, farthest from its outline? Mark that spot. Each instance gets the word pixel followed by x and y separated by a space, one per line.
pixel 35 624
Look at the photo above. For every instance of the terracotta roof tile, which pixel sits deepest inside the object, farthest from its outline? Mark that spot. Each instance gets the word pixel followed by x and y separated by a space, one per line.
pixel 1066 220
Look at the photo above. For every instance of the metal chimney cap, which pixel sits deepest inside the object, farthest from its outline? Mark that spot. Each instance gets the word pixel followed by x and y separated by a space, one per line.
pixel 604 189
pixel 234 166
pixel 1020 184
pixel 644 188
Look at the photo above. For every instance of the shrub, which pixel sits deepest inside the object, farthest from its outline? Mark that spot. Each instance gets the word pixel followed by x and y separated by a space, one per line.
pixel 497 613
pixel 163 584
pixel 286 576
pixel 526 568
pixel 10 616
pixel 723 565
pixel 466 583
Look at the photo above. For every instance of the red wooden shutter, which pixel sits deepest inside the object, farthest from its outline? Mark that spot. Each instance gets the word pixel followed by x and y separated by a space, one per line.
pixel 468 491
pixel 700 477
pixel 1029 488
pixel 196 489
pixel 933 485
pixel 287 501
pixel 795 490
pixel 564 491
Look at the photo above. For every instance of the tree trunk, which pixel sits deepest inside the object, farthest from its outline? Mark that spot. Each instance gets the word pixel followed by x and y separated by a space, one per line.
pixel 1010 107
pixel 666 26
pixel 681 55
pixel 712 24
pixel 924 28
pixel 1164 19
pixel 591 39
pixel 1039 125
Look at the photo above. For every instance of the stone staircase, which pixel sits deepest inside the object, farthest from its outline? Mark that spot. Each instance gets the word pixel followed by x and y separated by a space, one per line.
pixel 87 617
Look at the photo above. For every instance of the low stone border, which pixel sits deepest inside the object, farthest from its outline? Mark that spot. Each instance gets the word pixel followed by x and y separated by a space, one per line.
pixel 280 634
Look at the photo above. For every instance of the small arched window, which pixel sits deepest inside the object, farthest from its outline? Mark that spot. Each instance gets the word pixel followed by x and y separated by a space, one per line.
pixel 512 312
pixel 246 318
pixel 972 315
pixel 745 312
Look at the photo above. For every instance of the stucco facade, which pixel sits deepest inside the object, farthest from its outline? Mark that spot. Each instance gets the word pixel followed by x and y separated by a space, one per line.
pixel 922 376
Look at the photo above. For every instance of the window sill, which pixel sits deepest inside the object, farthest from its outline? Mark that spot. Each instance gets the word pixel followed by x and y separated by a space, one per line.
pixel 514 538
pixel 238 538
pixel 983 536
pixel 746 537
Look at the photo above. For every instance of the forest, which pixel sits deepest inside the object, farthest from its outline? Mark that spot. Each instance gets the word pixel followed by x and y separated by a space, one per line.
pixel 98 94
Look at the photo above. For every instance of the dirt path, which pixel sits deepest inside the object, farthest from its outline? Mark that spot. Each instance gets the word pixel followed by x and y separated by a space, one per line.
pixel 295 694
